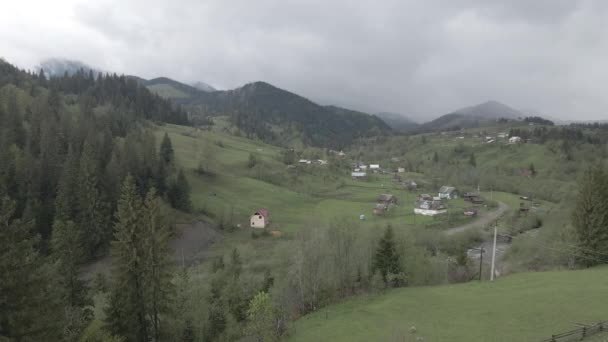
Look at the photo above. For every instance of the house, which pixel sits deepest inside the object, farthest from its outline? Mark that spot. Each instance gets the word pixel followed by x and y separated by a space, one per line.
pixel 384 203
pixel 411 185
pixel 363 167
pixel 387 199
pixel 374 166
pixel 341 154
pixel 448 192
pixel 430 207
pixel 320 162
pixel 358 175
pixel 424 197
pixel 502 135
pixel 514 140
pixel 260 219
pixel 401 169
pixel 304 161
pixel 473 197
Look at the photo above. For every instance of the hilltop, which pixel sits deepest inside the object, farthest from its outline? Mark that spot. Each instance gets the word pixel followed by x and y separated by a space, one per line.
pixel 484 114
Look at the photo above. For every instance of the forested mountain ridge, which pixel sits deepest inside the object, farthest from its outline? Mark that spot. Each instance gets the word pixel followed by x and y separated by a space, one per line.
pixel 275 115
pixel 75 153
pixel 398 122
pixel 481 115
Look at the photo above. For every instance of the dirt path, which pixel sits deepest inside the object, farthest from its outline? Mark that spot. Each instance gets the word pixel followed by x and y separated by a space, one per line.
pixel 482 220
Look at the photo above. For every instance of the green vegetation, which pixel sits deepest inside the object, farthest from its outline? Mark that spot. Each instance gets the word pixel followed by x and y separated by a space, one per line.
pixel 521 307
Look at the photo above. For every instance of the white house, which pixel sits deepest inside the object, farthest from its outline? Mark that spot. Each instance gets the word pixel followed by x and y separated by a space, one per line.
pixel 448 192
pixel 304 161
pixel 358 175
pixel 401 169
pixel 374 166
pixel 514 140
pixel 363 167
pixel 430 207
pixel 260 219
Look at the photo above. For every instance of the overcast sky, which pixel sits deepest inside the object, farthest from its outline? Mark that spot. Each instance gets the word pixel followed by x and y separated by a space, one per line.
pixel 418 58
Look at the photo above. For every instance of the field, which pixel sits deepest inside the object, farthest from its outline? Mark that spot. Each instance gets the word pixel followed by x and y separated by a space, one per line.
pixel 234 192
pixel 521 307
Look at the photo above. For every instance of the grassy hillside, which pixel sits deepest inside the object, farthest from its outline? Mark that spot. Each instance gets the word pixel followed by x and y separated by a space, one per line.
pixel 521 307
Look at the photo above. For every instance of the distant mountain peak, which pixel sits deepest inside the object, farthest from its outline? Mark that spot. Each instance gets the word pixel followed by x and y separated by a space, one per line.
pixel 491 109
pixel 203 86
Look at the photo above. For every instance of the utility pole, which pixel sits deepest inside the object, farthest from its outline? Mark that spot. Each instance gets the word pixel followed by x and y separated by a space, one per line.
pixel 480 260
pixel 494 251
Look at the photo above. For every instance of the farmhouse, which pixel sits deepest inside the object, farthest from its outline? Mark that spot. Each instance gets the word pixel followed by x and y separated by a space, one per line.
pixel 387 198
pixel 401 169
pixel 424 197
pixel 430 207
pixel 384 203
pixel 448 192
pixel 473 197
pixel 304 161
pixel 374 166
pixel 260 219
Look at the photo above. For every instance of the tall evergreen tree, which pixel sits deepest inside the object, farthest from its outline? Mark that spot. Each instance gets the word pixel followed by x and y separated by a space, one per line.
pixel 126 314
pixel 386 257
pixel 92 210
pixel 159 287
pixel 27 303
pixel 590 216
pixel 179 193
pixel 473 160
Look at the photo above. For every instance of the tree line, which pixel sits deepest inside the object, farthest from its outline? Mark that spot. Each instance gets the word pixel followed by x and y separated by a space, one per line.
pixel 70 147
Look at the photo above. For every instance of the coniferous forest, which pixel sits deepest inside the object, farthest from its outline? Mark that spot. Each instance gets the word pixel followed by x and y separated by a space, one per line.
pixel 82 177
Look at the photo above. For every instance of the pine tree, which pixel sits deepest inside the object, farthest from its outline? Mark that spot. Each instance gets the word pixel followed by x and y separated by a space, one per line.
pixel 590 216
pixel 435 158
pixel 28 305
pixel 159 265
pixel 473 160
pixel 66 202
pixel 179 193
pixel 166 150
pixel 386 258
pixel 69 254
pixel 252 161
pixel 126 314
pixel 92 210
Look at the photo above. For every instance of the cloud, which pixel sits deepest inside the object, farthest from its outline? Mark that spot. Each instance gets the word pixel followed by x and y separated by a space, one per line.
pixel 418 58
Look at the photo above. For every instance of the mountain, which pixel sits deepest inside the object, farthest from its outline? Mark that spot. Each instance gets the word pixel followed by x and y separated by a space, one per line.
pixel 203 86
pixel 171 89
pixel 398 122
pixel 480 115
pixel 54 67
pixel 278 116
pixel 491 110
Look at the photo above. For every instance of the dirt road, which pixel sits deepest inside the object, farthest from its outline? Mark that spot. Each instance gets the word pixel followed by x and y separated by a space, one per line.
pixel 482 220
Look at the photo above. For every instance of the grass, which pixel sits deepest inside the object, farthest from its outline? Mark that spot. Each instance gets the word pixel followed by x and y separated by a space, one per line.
pixel 520 307
pixel 234 191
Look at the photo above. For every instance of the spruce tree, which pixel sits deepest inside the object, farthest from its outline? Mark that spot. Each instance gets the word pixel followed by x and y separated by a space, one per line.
pixel 92 211
pixel 159 265
pixel 126 314
pixel 179 193
pixel 386 258
pixel 473 160
pixel 28 305
pixel 590 216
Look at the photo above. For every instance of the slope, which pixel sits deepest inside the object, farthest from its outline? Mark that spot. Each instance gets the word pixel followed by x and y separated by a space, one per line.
pixel 398 122
pixel 521 307
pixel 274 115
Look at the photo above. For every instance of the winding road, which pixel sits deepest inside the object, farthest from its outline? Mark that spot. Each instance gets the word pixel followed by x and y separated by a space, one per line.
pixel 482 220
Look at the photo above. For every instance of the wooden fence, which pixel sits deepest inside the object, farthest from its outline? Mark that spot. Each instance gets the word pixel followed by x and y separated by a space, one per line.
pixel 580 333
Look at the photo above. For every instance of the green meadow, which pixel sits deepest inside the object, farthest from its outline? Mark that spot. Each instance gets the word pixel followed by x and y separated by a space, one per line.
pixel 520 307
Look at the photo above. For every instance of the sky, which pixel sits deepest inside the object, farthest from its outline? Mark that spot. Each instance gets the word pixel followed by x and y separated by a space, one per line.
pixel 420 58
